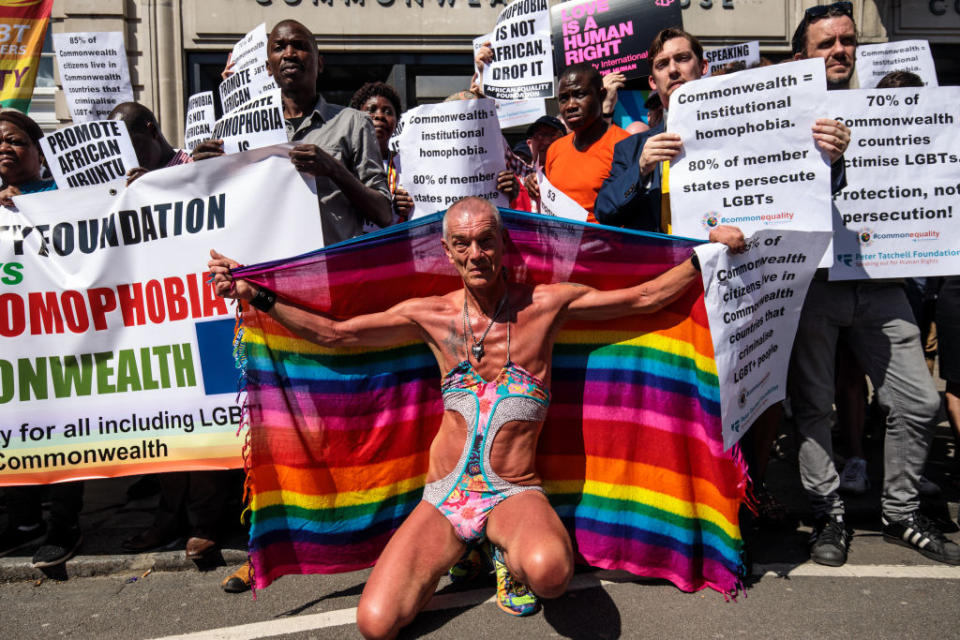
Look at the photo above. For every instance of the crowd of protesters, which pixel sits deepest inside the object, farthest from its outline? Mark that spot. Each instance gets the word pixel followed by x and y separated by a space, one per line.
pixel 848 332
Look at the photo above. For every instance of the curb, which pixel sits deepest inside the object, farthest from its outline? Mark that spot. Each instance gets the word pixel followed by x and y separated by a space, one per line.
pixel 18 569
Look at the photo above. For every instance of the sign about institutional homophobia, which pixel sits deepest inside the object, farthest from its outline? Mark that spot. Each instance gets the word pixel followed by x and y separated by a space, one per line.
pixel 23 26
pixel 749 158
pixel 753 303
pixel 115 354
pixel 874 61
pixel 612 35
pixel 200 119
pixel 522 65
pixel 250 78
pixel 94 73
pixel 747 52
pixel 554 202
pixel 258 123
pixel 899 215
pixel 89 153
pixel 451 150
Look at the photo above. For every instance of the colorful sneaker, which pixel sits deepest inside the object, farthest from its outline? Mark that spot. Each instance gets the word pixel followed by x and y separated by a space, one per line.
pixel 512 595
pixel 471 566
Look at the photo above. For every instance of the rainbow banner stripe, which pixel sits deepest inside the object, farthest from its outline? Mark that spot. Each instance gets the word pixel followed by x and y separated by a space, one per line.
pixel 24 25
pixel 631 453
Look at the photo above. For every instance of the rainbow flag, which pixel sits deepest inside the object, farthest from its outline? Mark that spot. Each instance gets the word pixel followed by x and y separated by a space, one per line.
pixel 631 452
pixel 23 25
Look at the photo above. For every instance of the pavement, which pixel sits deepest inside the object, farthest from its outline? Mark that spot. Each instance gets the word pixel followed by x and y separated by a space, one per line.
pixel 109 517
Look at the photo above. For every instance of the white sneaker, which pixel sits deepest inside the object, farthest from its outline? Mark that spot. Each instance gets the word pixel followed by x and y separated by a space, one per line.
pixel 853 478
pixel 927 488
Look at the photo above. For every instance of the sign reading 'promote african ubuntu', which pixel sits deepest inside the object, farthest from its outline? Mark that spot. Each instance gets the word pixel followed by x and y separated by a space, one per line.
pixel 115 354
pixel 898 215
pixel 23 26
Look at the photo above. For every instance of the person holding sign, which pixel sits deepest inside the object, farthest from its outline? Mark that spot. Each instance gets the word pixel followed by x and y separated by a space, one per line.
pixel 335 145
pixel 879 328
pixel 494 338
pixel 153 150
pixel 636 193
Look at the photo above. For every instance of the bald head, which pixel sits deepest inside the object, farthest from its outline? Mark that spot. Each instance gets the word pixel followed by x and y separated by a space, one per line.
pixel 467 207
pixel 153 150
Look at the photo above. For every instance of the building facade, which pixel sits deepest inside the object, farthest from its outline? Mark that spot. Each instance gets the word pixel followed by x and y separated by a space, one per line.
pixel 422 47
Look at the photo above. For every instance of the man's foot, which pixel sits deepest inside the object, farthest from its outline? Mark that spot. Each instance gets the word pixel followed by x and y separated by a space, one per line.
pixel 60 546
pixel 917 532
pixel 471 566
pixel 199 548
pixel 238 581
pixel 829 542
pixel 512 595
pixel 14 538
pixel 853 478
pixel 152 538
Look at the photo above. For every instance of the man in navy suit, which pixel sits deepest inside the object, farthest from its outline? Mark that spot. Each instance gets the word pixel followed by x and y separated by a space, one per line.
pixel 630 196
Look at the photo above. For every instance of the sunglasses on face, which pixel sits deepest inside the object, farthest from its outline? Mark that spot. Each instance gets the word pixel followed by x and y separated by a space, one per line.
pixel 820 10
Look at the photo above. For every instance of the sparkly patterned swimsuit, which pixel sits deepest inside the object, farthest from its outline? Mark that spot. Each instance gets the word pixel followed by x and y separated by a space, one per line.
pixel 468 493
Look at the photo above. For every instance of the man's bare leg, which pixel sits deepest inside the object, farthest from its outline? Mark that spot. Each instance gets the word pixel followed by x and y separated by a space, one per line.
pixel 407 572
pixel 535 544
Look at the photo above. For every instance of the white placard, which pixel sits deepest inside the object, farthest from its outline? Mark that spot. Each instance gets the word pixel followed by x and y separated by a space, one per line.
pixel 749 157
pixel 244 86
pixel 89 153
pixel 522 66
pixel 451 150
pixel 554 202
pixel 93 72
pixel 200 119
pixel 515 113
pixel 258 123
pixel 251 49
pixel 753 303
pixel 898 215
pixel 874 61
pixel 748 52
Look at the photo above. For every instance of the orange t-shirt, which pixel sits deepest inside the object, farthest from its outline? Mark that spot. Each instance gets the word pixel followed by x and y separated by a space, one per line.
pixel 580 174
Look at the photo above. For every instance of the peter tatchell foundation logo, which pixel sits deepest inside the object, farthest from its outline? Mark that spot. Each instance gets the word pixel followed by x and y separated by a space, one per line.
pixel 663 3
pixel 865 237
pixel 710 220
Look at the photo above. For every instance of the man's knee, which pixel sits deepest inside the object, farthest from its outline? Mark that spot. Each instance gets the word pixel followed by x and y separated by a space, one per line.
pixel 548 572
pixel 374 621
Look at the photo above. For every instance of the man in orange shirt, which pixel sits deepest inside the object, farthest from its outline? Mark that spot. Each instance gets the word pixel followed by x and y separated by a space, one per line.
pixel 579 162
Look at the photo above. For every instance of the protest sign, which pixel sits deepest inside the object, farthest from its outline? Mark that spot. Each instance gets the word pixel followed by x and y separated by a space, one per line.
pixel 23 27
pixel 516 113
pixel 115 354
pixel 877 60
pixel 257 123
pixel 200 119
pixel 448 151
pixel 612 35
pixel 250 78
pixel 522 66
pixel 898 215
pixel 93 71
pixel 753 303
pixel 251 49
pixel 554 202
pixel 747 52
pixel 749 157
pixel 89 153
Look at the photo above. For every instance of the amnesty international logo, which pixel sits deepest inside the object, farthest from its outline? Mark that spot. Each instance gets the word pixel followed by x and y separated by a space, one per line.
pixel 710 220
pixel 865 237
pixel 19 3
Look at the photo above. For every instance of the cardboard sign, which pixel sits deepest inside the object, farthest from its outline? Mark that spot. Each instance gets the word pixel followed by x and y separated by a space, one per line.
pixel 258 123
pixel 522 67
pixel 874 61
pixel 94 73
pixel 200 119
pixel 89 153
pixel 747 52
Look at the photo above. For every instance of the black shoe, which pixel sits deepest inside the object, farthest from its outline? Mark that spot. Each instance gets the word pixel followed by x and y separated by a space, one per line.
pixel 917 532
pixel 829 542
pixel 14 538
pixel 60 546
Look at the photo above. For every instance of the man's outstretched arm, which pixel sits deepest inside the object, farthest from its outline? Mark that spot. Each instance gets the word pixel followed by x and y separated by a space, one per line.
pixel 370 330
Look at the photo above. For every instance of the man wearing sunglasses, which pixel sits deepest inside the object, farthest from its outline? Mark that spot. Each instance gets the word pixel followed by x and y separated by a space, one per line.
pixel 878 325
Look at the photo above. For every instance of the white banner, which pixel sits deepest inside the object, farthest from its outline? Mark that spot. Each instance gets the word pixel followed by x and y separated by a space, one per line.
pixel 874 61
pixel 115 355
pixel 200 119
pixel 89 153
pixel 451 150
pixel 749 158
pixel 93 73
pixel 898 215
pixel 257 123
pixel 747 52
pixel 554 202
pixel 753 303
pixel 522 66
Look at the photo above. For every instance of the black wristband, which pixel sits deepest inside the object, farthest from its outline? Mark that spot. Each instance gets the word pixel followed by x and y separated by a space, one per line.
pixel 607 115
pixel 695 261
pixel 264 300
